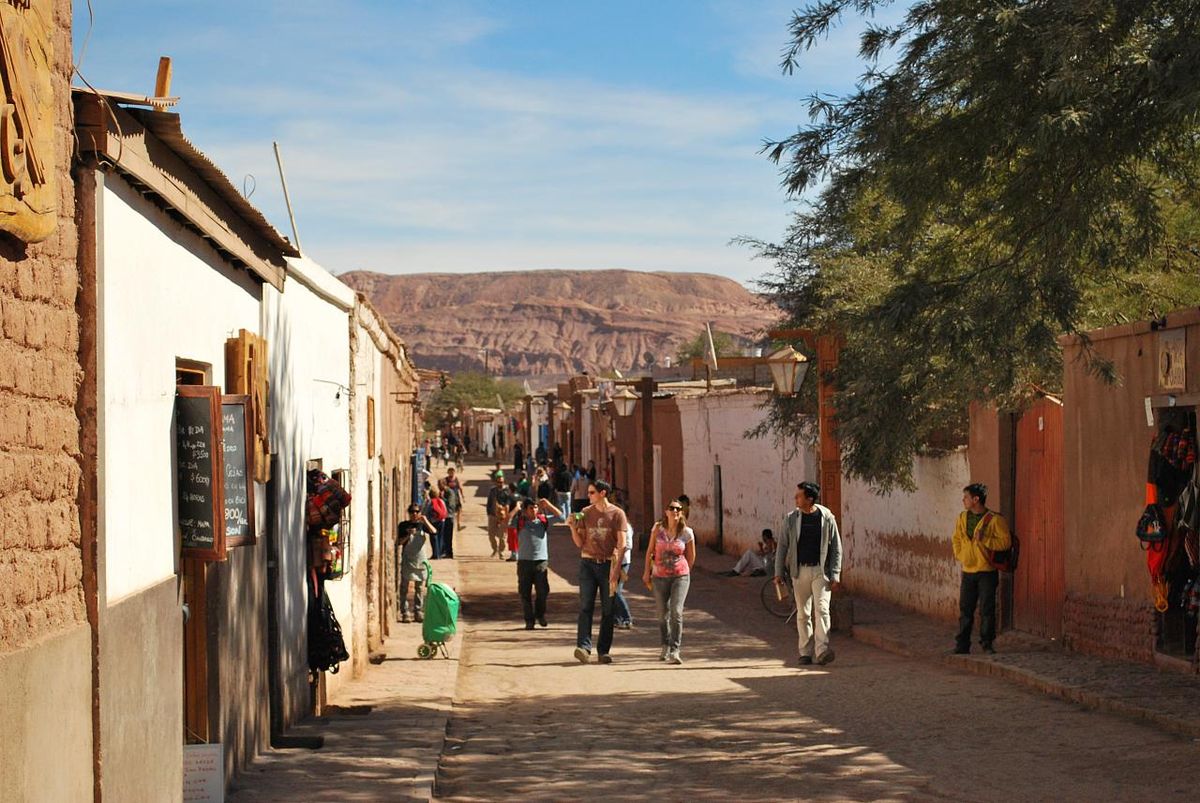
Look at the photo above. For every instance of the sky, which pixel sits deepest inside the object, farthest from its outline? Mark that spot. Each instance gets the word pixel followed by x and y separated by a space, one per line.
pixel 460 136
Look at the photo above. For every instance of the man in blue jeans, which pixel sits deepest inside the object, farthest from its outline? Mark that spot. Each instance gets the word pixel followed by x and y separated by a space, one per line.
pixel 599 532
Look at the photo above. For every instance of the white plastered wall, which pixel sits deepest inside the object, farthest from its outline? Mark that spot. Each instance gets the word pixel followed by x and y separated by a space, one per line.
pixel 758 476
pixel 163 294
pixel 307 329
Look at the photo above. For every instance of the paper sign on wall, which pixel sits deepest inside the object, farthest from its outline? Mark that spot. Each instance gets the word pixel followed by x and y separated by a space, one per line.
pixel 1172 366
pixel 203 773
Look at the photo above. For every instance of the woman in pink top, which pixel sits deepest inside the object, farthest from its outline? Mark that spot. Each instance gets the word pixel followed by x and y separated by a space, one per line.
pixel 669 562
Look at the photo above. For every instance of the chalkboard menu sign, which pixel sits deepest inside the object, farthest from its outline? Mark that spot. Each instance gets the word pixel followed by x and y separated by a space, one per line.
pixel 199 469
pixel 238 448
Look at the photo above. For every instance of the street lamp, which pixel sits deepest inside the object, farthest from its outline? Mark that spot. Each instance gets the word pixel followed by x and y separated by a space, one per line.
pixel 624 401
pixel 788 368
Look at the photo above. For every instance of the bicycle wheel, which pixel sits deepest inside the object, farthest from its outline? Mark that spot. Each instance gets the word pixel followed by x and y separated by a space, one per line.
pixel 775 606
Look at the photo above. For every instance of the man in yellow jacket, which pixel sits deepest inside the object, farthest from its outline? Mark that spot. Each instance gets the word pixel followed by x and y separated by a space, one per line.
pixel 978 529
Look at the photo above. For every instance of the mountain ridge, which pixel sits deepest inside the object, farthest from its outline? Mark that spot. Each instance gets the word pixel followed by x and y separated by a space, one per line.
pixel 558 322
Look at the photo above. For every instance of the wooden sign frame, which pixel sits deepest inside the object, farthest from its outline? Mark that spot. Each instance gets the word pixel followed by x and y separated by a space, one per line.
pixel 245 402
pixel 219 550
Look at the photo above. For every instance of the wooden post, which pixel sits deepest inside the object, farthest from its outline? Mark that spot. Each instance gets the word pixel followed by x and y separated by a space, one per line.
pixel 162 81
pixel 828 348
pixel 646 390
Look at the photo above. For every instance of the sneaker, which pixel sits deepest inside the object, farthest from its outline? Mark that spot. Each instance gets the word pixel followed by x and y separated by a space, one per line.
pixel 529 625
pixel 663 655
pixel 512 558
pixel 730 573
pixel 582 655
pixel 825 658
pixel 805 660
pixel 674 658
pixel 404 618
pixel 542 621
pixel 417 617
pixel 962 651
pixel 606 659
pixel 625 625
pixel 989 649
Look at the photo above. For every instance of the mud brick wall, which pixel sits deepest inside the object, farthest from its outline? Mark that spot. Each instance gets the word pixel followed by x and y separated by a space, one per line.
pixel 1109 627
pixel 41 567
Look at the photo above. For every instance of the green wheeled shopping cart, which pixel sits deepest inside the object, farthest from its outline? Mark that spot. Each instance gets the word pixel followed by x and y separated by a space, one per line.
pixel 441 617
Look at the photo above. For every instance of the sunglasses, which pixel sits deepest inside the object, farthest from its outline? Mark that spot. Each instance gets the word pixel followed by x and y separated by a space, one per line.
pixel 593 493
pixel 676 508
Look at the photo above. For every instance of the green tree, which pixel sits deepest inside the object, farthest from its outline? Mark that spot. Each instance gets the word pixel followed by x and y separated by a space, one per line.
pixel 463 391
pixel 725 344
pixel 1020 170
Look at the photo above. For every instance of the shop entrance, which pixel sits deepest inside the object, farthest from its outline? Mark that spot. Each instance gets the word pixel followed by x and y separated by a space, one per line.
pixel 1039 583
pixel 1173 466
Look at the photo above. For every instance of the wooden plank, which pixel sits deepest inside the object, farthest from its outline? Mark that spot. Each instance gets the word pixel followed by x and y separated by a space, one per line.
pixel 162 81
pixel 195 652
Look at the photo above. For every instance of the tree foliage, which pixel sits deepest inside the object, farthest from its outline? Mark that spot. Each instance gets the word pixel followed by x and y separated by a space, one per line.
pixel 463 391
pixel 1006 171
pixel 725 344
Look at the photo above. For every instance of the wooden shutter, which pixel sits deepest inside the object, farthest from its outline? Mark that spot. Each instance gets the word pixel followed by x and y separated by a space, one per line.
pixel 246 373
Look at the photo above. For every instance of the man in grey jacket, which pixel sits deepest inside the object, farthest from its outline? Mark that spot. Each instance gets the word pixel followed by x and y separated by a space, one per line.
pixel 810 550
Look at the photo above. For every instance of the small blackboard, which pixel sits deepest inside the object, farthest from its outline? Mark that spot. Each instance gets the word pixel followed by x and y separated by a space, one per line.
pixel 199 472
pixel 239 469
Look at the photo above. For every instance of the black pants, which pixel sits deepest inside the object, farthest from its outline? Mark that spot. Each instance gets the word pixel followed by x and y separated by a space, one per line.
pixel 533 574
pixel 977 587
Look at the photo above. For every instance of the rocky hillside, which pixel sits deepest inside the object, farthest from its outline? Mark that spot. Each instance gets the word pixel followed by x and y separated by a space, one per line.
pixel 555 323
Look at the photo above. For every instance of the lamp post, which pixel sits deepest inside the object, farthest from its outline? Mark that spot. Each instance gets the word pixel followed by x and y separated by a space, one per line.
pixel 624 402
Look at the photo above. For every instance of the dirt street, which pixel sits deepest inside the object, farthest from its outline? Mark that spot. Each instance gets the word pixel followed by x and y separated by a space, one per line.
pixel 740 720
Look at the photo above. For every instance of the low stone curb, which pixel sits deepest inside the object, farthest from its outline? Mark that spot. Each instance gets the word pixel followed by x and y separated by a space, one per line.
pixel 986 667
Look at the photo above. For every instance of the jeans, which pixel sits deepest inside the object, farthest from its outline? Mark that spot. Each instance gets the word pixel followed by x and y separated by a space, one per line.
pixel 564 502
pixel 621 613
pixel 418 581
pixel 593 577
pixel 533 575
pixel 977 587
pixel 448 537
pixel 437 541
pixel 669 594
pixel 812 591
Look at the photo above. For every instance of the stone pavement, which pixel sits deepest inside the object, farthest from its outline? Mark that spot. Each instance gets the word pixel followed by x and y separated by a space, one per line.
pixel 513 715
pixel 383 732
pixel 1166 699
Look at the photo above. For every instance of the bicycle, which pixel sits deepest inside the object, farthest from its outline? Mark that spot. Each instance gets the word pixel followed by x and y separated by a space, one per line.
pixel 781 608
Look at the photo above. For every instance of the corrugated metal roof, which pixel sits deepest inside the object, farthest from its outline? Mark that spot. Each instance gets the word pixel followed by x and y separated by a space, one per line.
pixel 168 128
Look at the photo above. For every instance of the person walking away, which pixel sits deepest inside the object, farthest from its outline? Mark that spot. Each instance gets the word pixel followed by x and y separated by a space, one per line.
pixel 412 537
pixel 562 488
pixel 435 511
pixel 542 487
pixel 622 616
pixel 499 504
pixel 669 561
pixel 977 529
pixel 518 458
pixel 599 532
pixel 531 527
pixel 579 489
pixel 454 505
pixel 539 454
pixel 755 561
pixel 811 551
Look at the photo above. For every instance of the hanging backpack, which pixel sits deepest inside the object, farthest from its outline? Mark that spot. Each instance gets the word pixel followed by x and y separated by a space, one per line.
pixel 1152 528
pixel 326 647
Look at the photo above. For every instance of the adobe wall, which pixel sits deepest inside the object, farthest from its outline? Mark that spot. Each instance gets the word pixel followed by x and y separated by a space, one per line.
pixel 44 634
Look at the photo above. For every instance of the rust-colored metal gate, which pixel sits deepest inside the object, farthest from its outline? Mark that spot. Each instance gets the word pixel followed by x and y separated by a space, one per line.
pixel 1039 584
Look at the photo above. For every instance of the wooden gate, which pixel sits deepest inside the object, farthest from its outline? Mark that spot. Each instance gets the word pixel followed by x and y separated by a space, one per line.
pixel 1039 584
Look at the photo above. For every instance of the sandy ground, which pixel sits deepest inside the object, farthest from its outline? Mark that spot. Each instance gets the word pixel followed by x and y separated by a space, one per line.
pixel 740 720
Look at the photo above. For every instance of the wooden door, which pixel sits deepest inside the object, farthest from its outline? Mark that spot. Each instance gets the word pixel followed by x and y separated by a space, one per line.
pixel 1039 583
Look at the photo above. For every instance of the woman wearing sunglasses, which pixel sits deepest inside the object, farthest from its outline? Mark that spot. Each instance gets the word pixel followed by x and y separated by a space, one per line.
pixel 669 562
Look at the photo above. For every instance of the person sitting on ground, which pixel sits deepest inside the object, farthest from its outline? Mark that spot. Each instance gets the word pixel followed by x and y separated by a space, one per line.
pixel 754 561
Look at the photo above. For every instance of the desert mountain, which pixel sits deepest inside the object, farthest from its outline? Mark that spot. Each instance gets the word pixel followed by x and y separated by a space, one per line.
pixel 557 322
